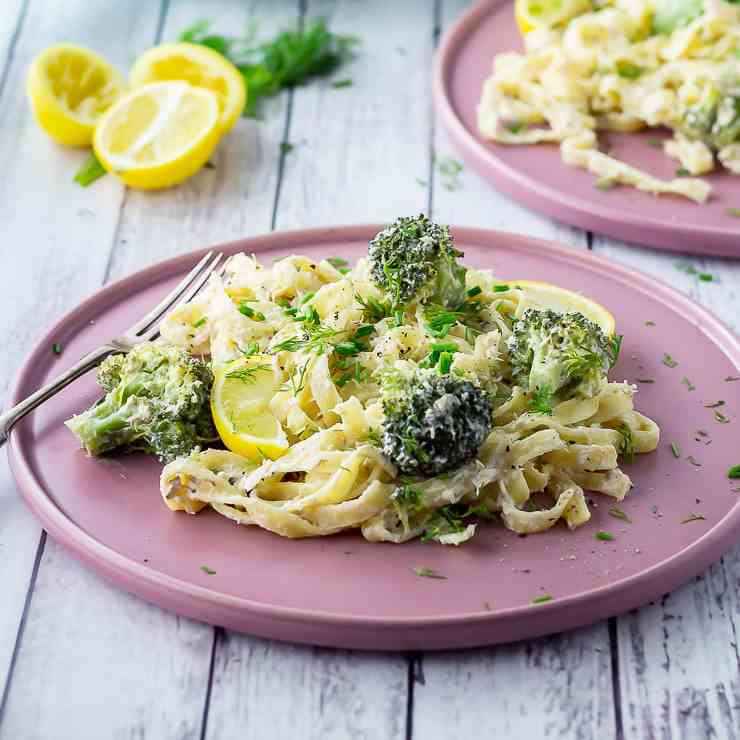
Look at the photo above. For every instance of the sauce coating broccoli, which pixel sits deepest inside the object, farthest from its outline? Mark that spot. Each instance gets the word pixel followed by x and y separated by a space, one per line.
pixel 157 400
pixel 415 259
pixel 433 423
pixel 559 356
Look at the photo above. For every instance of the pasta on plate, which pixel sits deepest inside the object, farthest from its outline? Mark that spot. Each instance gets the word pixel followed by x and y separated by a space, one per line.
pixel 407 396
pixel 626 65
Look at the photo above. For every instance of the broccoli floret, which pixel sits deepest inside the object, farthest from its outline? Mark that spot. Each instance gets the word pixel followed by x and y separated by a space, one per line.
pixel 433 423
pixel 415 259
pixel 157 401
pixel 559 356
pixel 715 119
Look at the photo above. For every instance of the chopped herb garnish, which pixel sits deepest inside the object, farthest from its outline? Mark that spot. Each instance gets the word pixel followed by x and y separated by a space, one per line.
pixel 721 418
pixel 208 570
pixel 692 517
pixel 627 443
pixel 649 323
pixel 56 348
pixel 691 270
pixel 668 361
pixel 682 172
pixel 675 449
pixel 734 472
pixel 617 513
pixel 445 363
pixel 734 212
pixel 91 171
pixel 202 320
pixel 373 310
pixel 693 461
pixel 714 405
pixel 286 147
pixel 655 143
pixel 514 127
pixel 429 573
pixel 472 292
pixel 500 288
pixel 449 169
pixel 688 383
pixel 731 379
pixel 604 536
pixel 644 380
pixel 542 599
pixel 246 310
pixel 337 261
pixel 342 83
pixel 628 70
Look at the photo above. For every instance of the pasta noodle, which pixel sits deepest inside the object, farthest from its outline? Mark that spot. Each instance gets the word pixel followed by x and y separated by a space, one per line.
pixel 333 476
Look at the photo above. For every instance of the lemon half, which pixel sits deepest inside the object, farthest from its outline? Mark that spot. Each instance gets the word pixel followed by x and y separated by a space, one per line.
pixel 538 14
pixel 201 67
pixel 240 404
pixel 545 295
pixel 158 135
pixel 70 87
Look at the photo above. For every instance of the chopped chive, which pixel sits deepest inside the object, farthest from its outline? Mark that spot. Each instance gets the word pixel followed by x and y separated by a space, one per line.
pixel 649 323
pixel 398 317
pixel 721 418
pixel 56 348
pixel 445 363
pixel 429 573
pixel 286 147
pixel 617 513
pixel 342 83
pixel 692 517
pixel 676 450
pixel 644 380
pixel 693 461
pixel 200 322
pixel 682 172
pixel 705 277
pixel 604 536
pixel 208 570
pixel 668 361
pixel 688 383
pixel 655 143
pixel 337 261
pixel 90 171
pixel 443 347
pixel 365 330
pixel 306 298
pixel 500 288
pixel 734 472
pixel 477 290
pixel 514 127
pixel 542 599
pixel 714 405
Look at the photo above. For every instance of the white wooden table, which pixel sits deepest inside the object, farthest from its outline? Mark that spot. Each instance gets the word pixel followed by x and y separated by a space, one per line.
pixel 79 659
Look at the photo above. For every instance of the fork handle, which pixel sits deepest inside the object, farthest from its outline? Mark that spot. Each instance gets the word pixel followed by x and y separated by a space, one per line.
pixel 87 363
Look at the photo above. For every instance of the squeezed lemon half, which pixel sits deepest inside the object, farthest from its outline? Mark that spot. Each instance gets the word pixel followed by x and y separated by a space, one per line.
pixel 546 295
pixel 70 87
pixel 240 400
pixel 158 135
pixel 201 67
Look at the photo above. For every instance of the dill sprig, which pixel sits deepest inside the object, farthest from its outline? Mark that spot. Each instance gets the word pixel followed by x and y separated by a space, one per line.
pixel 289 59
pixel 247 374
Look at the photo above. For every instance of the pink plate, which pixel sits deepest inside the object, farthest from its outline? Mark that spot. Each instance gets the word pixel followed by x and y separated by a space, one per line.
pixel 345 592
pixel 536 176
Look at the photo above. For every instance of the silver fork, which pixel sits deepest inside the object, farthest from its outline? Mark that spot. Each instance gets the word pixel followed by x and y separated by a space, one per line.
pixel 144 330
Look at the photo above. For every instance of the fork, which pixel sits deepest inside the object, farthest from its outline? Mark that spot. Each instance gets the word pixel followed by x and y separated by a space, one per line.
pixel 144 330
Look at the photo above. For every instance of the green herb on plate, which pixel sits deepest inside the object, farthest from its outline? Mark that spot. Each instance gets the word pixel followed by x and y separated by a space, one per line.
pixel 692 517
pixel 617 513
pixel 429 573
pixel 542 599
pixel 675 449
pixel 604 536
pixel 668 361
pixel 90 171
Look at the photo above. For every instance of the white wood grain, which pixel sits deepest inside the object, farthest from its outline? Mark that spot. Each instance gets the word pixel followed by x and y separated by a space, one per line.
pixel 679 664
pixel 56 238
pixel 349 165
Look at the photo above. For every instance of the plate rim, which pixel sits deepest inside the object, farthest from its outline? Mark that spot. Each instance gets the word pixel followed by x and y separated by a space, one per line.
pixel 560 206
pixel 398 632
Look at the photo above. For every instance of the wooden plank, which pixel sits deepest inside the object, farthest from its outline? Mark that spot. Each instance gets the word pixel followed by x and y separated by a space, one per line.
pixel 56 249
pixel 550 687
pixel 349 165
pixel 679 667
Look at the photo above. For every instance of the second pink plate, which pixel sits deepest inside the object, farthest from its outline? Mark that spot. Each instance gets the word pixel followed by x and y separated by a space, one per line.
pixel 536 176
pixel 345 592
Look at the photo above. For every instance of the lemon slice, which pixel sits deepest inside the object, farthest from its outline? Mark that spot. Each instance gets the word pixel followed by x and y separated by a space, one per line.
pixel 537 14
pixel 158 135
pixel 545 295
pixel 70 87
pixel 201 67
pixel 240 400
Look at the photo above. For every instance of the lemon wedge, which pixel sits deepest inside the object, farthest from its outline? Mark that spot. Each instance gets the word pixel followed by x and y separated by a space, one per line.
pixel 545 295
pixel 201 67
pixel 158 135
pixel 240 400
pixel 537 14
pixel 70 87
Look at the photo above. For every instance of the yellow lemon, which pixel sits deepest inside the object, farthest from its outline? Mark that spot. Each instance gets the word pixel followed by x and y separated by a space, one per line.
pixel 70 87
pixel 545 295
pixel 158 135
pixel 201 67
pixel 240 400
pixel 536 14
